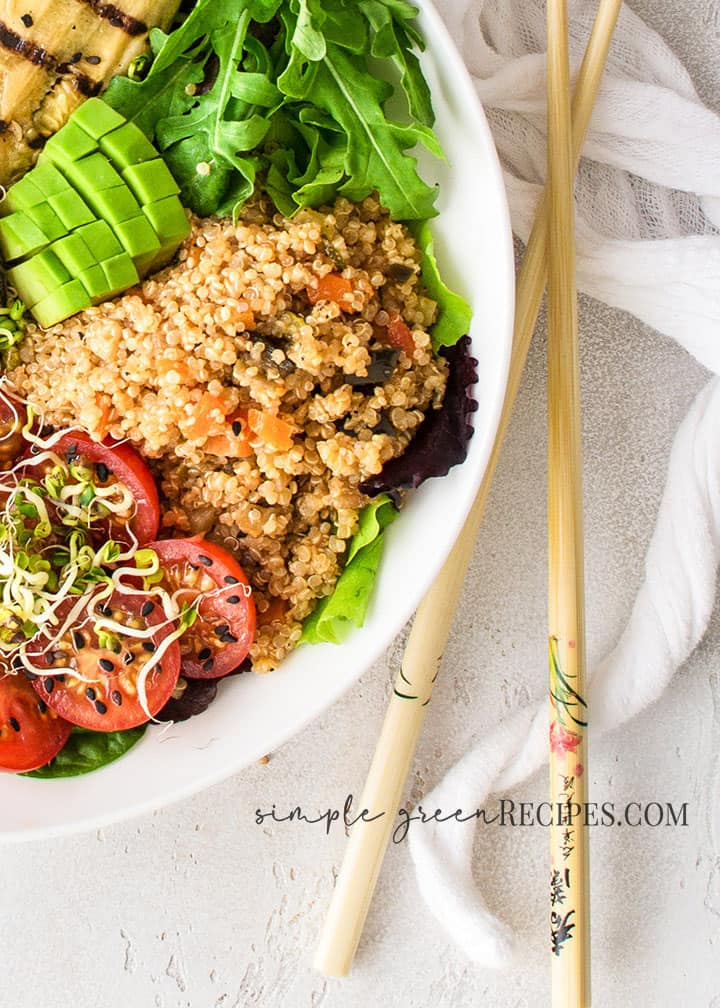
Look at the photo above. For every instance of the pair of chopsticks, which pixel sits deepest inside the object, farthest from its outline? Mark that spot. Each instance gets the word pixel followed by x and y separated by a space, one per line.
pixel 549 255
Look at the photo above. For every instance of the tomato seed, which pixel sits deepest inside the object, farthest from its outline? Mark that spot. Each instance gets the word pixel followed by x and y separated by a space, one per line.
pixel 229 579
pixel 116 697
pixel 228 638
pixel 49 684
pixel 208 664
pixel 102 471
pixel 90 693
pixel 128 658
pixel 100 707
pixel 148 646
pixel 234 599
pixel 221 629
pixel 78 639
pixel 42 706
pixel 204 654
pixel 14 724
pixel 205 560
pixel 106 665
pixel 147 608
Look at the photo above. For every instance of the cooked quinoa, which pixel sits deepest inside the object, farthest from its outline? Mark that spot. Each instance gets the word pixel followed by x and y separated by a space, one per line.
pixel 232 326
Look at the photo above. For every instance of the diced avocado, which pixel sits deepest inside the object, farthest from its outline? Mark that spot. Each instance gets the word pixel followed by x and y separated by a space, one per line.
pixel 19 237
pixel 61 304
pixel 68 145
pixel 96 118
pixel 92 174
pixel 38 277
pixel 95 282
pixel 168 219
pixel 72 210
pixel 117 204
pixel 99 237
pixel 151 181
pixel 48 179
pixel 127 146
pixel 47 220
pixel 137 237
pixel 22 196
pixel 113 204
pixel 74 253
pixel 120 272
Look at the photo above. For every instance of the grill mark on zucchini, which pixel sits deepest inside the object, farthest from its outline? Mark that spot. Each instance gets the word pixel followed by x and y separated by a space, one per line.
pixel 26 48
pixel 117 17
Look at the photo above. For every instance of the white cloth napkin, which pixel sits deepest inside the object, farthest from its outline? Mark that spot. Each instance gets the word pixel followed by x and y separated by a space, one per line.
pixel 648 216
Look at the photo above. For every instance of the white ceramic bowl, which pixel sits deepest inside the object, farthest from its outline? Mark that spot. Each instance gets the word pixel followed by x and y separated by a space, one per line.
pixel 254 715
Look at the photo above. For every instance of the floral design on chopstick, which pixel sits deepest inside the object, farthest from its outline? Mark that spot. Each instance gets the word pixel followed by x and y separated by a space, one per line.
pixel 568 704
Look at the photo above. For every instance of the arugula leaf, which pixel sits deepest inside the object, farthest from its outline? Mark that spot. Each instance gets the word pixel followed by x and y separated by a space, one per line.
pixel 346 607
pixel 455 314
pixel 87 750
pixel 219 94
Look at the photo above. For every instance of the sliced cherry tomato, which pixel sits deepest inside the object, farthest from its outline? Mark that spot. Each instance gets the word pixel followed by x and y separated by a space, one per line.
pixel 104 693
pixel 220 638
pixel 116 464
pixel 398 334
pixel 30 732
pixel 13 418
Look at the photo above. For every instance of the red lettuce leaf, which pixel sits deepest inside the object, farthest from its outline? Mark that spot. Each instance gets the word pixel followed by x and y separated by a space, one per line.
pixel 441 441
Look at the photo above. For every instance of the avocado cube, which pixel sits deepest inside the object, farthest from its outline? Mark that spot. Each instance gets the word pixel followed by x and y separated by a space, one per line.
pixel 120 272
pixel 113 204
pixel 117 204
pixel 127 146
pixel 137 237
pixel 99 237
pixel 71 209
pixel 48 179
pixel 97 118
pixel 67 146
pixel 74 254
pixel 37 277
pixel 168 219
pixel 47 220
pixel 95 283
pixel 151 180
pixel 20 237
pixel 92 174
pixel 61 304
pixel 22 196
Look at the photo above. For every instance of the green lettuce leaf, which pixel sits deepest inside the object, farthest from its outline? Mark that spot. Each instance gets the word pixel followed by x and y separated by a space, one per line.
pixel 346 607
pixel 455 314
pixel 301 104
pixel 87 750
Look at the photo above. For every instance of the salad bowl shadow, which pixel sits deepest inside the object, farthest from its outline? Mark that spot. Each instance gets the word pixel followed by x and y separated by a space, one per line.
pixel 253 715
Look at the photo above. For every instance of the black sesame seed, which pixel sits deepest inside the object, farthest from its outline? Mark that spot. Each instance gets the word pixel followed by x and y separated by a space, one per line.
pixel 42 706
pixel 60 678
pixel 221 629
pixel 102 472
pixel 147 608
pixel 208 664
pixel 194 566
pixel 49 684
pixel 228 638
pixel 14 724
pixel 104 610
pixel 27 20
pixel 116 697
pixel 205 560
pixel 204 654
pixel 148 646
pixel 30 676
pixel 93 60
pixel 78 639
pixel 106 665
pixel 76 57
pixel 100 707
pixel 128 658
pixel 237 428
pixel 16 662
pixel 229 579
pixel 233 599
pixel 90 693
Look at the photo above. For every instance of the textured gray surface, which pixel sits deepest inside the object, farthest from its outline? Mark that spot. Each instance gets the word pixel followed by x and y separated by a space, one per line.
pixel 197 907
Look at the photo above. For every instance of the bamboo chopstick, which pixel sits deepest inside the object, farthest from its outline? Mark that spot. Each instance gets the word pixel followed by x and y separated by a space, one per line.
pixel 569 883
pixel 413 687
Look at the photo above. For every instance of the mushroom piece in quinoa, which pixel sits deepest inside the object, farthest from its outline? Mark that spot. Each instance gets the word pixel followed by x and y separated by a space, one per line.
pixel 244 325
